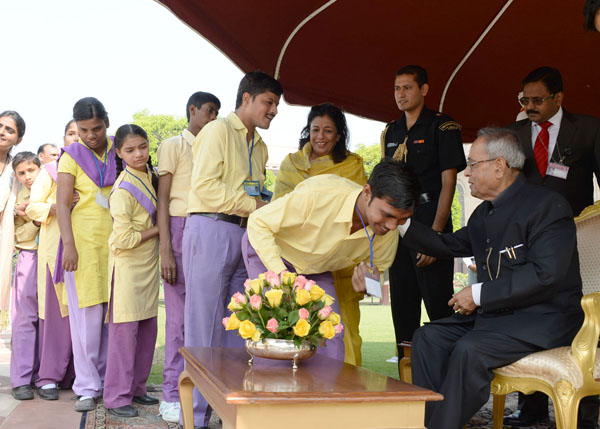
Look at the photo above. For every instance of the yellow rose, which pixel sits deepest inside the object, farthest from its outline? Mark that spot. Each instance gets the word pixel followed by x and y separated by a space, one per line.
pixel 274 297
pixel 302 297
pixel 316 293
pixel 289 278
pixel 247 329
pixel 301 328
pixel 234 306
pixel 334 318
pixel 327 299
pixel 256 336
pixel 326 329
pixel 256 285
pixel 261 276
pixel 233 323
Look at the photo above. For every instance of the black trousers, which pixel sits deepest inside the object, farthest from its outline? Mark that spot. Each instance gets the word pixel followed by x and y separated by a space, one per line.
pixel 457 361
pixel 410 284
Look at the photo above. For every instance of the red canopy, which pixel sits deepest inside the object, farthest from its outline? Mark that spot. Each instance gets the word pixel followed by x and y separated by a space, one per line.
pixel 347 51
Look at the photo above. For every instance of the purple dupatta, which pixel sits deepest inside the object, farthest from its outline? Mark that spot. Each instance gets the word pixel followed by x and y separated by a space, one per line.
pixel 141 198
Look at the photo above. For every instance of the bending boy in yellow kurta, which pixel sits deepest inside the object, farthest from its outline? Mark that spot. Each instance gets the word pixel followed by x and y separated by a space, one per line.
pixel 133 264
pixel 327 132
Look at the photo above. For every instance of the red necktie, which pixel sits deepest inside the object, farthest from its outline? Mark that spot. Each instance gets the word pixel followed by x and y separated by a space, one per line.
pixel 540 149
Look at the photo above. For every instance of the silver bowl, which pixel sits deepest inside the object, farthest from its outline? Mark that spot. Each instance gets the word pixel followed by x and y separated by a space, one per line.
pixel 280 349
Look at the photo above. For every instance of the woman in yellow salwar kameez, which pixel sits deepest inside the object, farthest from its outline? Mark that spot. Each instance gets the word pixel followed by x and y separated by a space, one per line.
pixel 324 150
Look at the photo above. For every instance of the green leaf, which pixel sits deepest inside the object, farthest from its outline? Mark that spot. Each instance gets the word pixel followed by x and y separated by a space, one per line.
pixel 293 317
pixel 242 315
pixel 281 313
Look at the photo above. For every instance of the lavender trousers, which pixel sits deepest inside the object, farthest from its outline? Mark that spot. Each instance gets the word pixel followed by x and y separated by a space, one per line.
pixel 174 307
pixel 89 336
pixel 24 360
pixel 334 348
pixel 130 351
pixel 56 353
pixel 214 271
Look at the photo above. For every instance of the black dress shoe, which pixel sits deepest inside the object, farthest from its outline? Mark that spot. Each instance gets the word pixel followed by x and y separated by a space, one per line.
pixel 516 419
pixel 48 394
pixel 145 400
pixel 22 393
pixel 124 411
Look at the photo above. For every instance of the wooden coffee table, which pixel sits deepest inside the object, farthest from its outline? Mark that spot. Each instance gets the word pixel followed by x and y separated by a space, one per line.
pixel 323 393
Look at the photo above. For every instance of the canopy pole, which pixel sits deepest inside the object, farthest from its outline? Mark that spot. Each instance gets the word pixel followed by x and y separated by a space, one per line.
pixel 293 33
pixel 475 45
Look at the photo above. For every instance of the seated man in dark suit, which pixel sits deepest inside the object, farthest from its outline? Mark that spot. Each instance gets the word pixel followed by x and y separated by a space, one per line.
pixel 524 242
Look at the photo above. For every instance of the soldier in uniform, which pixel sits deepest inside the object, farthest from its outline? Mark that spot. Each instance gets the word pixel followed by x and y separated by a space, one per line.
pixel 429 143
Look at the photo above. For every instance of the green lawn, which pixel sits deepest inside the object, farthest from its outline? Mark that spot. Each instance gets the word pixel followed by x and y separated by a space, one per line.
pixel 376 328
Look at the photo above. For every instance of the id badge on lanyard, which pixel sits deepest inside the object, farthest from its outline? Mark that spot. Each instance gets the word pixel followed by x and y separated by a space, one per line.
pixel 251 187
pixel 557 170
pixel 101 200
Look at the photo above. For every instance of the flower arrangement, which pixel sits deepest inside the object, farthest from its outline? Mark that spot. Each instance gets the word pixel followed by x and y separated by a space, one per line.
pixel 283 306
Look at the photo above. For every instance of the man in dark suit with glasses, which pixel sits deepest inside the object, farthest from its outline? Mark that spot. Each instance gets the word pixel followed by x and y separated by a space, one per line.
pixel 562 153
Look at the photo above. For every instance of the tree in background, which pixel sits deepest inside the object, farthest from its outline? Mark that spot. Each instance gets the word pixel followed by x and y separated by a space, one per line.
pixel 270 180
pixel 159 128
pixel 371 156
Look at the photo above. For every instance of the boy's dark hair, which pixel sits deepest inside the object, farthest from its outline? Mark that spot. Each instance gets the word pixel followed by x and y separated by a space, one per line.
pixel 589 13
pixel 336 114
pixel 419 73
pixel 122 133
pixel 548 76
pixel 42 148
pixel 256 83
pixel 394 183
pixel 198 99
pixel 18 120
pixel 89 108
pixel 22 157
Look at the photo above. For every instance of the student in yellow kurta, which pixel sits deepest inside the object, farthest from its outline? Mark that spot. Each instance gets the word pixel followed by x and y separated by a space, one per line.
pixel 24 317
pixel 133 265
pixel 324 150
pixel 87 167
pixel 55 350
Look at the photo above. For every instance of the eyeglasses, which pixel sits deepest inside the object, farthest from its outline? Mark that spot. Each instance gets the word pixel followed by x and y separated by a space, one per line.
pixel 472 164
pixel 537 101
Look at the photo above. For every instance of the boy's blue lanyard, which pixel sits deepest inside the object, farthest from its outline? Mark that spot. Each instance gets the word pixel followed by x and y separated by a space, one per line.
pixel 101 172
pixel 250 156
pixel 367 232
pixel 142 182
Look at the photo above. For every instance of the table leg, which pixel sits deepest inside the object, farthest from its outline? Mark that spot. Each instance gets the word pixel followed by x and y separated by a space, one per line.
pixel 186 388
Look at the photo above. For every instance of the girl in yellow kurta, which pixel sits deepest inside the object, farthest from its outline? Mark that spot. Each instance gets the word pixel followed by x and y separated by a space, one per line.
pixel 87 167
pixel 323 150
pixel 133 263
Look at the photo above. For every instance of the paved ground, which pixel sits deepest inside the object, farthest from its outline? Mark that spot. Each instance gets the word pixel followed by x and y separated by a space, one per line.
pixel 35 413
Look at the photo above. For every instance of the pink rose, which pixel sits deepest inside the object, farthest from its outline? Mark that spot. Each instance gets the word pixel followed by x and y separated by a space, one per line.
pixel 299 282
pixel 309 284
pixel 247 285
pixel 239 298
pixel 256 302
pixel 324 312
pixel 272 278
pixel 273 325
pixel 303 313
pixel 225 321
pixel 339 328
